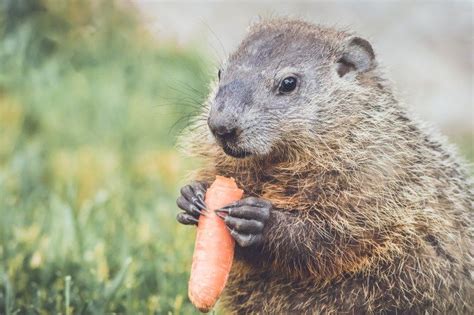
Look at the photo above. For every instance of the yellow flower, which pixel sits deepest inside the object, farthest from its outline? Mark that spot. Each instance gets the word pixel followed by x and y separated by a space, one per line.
pixel 36 260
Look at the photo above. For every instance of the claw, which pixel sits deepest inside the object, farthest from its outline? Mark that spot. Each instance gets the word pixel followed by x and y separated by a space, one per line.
pixel 199 202
pixel 185 218
pixel 225 210
pixel 220 215
pixel 200 211
pixel 232 205
pixel 195 201
pixel 200 196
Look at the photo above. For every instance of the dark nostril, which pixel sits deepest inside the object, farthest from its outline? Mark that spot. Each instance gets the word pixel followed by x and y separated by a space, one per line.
pixel 226 133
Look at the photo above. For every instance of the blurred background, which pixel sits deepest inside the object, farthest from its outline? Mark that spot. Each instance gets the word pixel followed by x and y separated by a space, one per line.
pixel 92 96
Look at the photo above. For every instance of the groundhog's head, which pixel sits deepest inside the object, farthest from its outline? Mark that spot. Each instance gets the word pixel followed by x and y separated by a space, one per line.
pixel 287 79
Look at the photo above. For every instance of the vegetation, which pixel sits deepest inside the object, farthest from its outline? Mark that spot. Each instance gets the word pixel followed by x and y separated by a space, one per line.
pixel 88 172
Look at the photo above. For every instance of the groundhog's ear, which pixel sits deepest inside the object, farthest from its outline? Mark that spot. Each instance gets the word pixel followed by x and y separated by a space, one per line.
pixel 358 56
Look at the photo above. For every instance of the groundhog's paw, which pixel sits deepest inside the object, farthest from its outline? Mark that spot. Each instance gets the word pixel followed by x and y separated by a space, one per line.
pixel 192 202
pixel 246 219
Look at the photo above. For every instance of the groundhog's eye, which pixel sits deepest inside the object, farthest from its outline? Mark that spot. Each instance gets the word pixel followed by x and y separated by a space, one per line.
pixel 219 74
pixel 287 85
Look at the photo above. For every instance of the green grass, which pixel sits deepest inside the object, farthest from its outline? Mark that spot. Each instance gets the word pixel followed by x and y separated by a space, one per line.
pixel 88 172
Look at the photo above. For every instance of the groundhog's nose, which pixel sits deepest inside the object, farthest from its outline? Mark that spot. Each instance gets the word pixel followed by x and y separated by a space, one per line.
pixel 224 132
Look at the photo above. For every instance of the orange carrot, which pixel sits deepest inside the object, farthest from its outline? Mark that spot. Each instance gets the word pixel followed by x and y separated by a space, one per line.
pixel 214 247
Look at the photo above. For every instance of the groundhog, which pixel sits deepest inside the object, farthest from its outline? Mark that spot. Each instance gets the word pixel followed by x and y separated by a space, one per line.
pixel 351 205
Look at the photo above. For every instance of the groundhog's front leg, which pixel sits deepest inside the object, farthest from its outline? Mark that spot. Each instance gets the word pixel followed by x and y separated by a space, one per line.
pixel 246 220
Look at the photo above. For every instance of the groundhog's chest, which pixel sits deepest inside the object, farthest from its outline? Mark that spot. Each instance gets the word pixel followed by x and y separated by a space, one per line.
pixel 259 291
pixel 292 192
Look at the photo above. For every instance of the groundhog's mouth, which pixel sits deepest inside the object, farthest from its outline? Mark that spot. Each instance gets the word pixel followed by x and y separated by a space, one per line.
pixel 236 153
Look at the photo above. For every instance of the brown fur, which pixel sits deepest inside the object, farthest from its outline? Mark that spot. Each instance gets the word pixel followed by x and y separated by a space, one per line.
pixel 372 214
